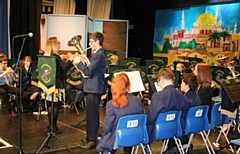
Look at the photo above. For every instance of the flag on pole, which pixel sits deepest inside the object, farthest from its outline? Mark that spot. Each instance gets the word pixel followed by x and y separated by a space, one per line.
pixel 47 73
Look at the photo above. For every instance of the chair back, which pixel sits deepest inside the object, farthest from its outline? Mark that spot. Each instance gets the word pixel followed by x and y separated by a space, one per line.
pixel 131 62
pixel 168 125
pixel 217 119
pixel 131 130
pixel 154 66
pixel 197 119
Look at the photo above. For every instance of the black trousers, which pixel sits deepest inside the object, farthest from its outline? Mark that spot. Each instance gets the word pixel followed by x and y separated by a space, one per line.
pixel 92 116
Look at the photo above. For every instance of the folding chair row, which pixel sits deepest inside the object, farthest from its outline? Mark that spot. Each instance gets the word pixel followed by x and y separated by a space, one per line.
pixel 168 126
pixel 131 130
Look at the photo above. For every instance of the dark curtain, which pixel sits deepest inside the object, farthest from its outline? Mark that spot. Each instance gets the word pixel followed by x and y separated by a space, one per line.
pixel 24 18
pixel 3 27
pixel 81 7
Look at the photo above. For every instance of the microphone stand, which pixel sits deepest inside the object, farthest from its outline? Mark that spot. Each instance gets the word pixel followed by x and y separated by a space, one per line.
pixel 20 107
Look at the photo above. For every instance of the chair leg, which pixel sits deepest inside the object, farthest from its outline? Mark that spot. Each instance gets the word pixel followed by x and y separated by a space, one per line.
pixel 189 142
pixel 179 145
pixel 132 150
pixel 226 138
pixel 39 110
pixel 210 145
pixel 205 141
pixel 136 151
pixel 165 143
pixel 76 108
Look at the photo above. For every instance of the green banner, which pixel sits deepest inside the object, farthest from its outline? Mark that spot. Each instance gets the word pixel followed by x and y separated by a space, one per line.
pixel 34 80
pixel 132 62
pixel 47 73
pixel 74 77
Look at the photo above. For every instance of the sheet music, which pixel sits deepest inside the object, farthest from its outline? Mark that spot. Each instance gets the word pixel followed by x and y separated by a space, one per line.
pixel 158 88
pixel 136 82
pixel 106 75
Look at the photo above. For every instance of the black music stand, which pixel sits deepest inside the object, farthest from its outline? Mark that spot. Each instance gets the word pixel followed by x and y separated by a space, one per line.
pixel 232 86
pixel 51 134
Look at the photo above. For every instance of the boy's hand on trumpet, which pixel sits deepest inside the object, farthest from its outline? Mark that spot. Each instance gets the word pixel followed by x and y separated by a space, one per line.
pixel 76 59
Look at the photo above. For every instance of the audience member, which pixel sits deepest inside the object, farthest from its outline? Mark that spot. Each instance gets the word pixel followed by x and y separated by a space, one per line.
pixel 122 104
pixel 188 87
pixel 166 100
pixel 204 76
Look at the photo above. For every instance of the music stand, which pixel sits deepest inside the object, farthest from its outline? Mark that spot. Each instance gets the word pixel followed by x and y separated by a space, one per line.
pixel 51 67
pixel 232 86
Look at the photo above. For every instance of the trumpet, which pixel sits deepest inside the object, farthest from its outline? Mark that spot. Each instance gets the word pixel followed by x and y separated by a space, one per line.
pixel 75 41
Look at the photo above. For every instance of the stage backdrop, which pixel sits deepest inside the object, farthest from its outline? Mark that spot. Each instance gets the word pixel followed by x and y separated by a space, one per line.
pixel 208 32
pixel 67 26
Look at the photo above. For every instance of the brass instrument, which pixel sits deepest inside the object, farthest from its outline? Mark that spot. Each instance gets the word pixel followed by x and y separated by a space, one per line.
pixel 231 66
pixel 75 41
pixel 9 72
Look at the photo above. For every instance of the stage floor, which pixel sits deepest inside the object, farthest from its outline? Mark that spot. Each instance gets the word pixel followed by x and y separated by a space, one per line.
pixel 35 132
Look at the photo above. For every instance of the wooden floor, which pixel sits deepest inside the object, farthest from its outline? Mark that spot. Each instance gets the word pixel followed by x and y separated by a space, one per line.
pixel 34 133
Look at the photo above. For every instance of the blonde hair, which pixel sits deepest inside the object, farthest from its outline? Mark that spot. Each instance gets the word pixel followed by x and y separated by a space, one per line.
pixel 51 46
pixel 114 58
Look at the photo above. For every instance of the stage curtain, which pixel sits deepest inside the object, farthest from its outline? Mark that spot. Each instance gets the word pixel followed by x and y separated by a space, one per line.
pixel 4 26
pixel 99 9
pixel 64 6
pixel 25 17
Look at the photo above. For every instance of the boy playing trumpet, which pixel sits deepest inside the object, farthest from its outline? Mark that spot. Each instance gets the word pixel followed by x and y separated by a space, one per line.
pixel 6 80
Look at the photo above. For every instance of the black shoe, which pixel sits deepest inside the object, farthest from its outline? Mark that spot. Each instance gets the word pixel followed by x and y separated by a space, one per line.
pixel 88 145
pixel 56 131
pixel 173 150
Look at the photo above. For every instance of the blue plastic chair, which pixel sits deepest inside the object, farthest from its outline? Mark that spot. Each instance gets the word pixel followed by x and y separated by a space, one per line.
pixel 197 122
pixel 236 142
pixel 168 126
pixel 131 131
pixel 218 119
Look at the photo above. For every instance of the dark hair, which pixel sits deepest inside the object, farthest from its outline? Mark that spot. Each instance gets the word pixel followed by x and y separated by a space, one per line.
pixel 97 36
pixel 191 80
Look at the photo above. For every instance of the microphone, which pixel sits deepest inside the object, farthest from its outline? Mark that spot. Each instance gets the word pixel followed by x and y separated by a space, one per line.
pixel 24 35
